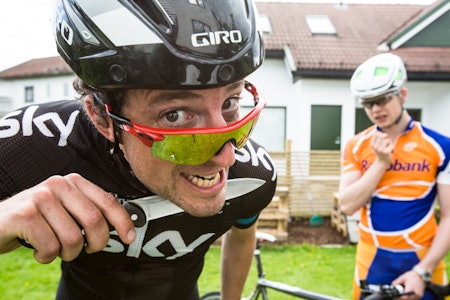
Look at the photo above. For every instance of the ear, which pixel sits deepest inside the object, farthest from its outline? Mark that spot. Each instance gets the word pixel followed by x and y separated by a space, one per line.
pixel 101 121
pixel 403 92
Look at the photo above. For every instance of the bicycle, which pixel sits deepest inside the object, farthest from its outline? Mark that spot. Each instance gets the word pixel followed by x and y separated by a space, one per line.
pixel 263 284
pixel 368 291
pixel 390 292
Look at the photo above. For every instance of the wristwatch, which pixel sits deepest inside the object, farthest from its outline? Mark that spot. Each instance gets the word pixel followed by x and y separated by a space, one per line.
pixel 424 274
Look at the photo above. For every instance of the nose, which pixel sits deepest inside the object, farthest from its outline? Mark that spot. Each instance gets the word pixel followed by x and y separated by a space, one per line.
pixel 225 157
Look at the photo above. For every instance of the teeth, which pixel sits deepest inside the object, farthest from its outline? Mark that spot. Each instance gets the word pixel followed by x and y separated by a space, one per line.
pixel 205 181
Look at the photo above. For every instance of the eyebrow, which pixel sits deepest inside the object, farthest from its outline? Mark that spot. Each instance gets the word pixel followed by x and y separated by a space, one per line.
pixel 190 94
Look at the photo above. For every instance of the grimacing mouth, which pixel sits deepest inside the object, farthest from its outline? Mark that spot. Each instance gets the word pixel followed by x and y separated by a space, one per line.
pixel 204 180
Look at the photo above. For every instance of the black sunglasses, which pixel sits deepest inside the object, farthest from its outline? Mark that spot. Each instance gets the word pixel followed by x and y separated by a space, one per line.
pixel 380 101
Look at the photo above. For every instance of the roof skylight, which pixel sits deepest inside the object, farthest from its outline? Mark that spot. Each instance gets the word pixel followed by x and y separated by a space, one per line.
pixel 320 25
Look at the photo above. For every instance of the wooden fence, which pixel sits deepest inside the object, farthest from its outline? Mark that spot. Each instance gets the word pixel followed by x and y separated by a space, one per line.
pixel 311 179
pixel 307 182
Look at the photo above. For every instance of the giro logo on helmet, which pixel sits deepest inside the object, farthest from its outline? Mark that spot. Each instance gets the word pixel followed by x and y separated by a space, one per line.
pixel 215 38
pixel 65 30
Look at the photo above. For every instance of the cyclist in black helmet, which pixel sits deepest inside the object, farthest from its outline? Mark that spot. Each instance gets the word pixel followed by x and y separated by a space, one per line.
pixel 161 84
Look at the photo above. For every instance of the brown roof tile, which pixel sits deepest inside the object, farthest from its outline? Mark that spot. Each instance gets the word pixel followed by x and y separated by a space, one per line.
pixel 49 66
pixel 361 28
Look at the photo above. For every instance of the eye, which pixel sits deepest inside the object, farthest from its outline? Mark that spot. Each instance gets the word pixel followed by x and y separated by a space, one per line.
pixel 230 109
pixel 176 117
pixel 172 116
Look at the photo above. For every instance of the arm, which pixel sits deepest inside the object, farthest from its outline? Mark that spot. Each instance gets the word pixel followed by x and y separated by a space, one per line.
pixel 355 190
pixel 439 248
pixel 238 246
pixel 51 214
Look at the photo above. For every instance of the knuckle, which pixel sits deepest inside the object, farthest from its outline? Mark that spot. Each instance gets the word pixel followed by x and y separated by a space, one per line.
pixel 73 239
pixel 92 219
pixel 75 177
pixel 109 199
pixel 48 254
pixel 52 249
pixel 54 180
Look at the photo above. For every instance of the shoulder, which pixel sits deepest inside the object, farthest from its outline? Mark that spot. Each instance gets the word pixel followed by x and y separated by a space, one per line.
pixel 360 138
pixel 435 135
pixel 58 124
pixel 253 160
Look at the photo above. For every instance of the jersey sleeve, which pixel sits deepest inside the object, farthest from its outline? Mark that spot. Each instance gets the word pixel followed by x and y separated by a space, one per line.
pixel 443 176
pixel 349 161
pixel 254 161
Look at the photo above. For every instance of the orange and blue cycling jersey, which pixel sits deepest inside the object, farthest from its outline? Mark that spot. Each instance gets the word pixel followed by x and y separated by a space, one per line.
pixel 398 225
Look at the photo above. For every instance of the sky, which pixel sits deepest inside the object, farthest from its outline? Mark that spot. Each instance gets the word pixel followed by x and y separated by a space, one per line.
pixel 26 28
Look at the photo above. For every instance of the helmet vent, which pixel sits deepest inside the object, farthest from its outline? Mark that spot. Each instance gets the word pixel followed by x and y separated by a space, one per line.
pixel 226 72
pixel 117 73
pixel 159 13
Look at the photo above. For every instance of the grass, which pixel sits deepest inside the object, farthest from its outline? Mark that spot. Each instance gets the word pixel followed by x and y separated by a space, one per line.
pixel 21 277
pixel 324 270
pixel 311 267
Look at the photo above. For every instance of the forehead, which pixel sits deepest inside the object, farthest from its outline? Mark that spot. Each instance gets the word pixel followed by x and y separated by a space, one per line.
pixel 378 98
pixel 156 96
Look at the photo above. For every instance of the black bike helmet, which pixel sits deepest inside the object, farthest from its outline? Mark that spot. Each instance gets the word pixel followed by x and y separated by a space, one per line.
pixel 168 44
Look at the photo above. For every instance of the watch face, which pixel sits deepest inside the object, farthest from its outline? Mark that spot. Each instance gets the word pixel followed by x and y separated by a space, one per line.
pixel 424 274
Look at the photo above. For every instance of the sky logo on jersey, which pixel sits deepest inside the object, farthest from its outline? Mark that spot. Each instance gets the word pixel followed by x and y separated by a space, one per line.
pixel 396 166
pixel 49 124
pixel 216 37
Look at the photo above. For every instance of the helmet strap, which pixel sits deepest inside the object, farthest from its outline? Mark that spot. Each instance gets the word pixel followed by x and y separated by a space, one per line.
pixel 399 117
pixel 116 148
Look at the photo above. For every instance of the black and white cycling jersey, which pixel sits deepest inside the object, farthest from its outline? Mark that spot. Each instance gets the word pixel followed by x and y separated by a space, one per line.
pixel 166 259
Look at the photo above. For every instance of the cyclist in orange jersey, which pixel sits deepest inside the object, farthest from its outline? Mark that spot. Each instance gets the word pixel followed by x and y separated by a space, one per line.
pixel 392 172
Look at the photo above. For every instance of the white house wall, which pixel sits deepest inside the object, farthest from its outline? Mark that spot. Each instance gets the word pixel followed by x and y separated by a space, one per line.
pixel 434 100
pixel 274 81
pixel 45 89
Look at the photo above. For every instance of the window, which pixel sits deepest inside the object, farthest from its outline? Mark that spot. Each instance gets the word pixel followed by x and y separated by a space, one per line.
pixel 264 23
pixel 66 89
pixel 29 94
pixel 320 25
pixel 270 131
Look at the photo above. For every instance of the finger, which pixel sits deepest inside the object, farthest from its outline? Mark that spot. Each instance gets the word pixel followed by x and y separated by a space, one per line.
pixel 65 228
pixel 45 243
pixel 111 211
pixel 85 216
pixel 33 225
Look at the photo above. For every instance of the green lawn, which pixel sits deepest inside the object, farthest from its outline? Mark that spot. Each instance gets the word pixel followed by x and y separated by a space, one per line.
pixel 21 277
pixel 324 270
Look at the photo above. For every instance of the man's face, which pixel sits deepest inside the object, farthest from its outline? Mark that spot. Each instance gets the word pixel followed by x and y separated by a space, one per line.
pixel 385 111
pixel 197 189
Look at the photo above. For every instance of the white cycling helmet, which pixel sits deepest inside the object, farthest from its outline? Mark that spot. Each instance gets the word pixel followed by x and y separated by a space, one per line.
pixel 379 75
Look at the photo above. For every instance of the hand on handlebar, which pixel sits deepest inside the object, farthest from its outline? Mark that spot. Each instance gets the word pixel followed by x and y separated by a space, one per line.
pixel 61 216
pixel 413 283
pixel 382 291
